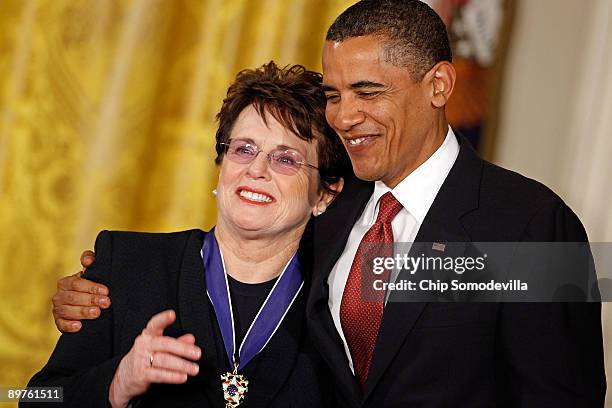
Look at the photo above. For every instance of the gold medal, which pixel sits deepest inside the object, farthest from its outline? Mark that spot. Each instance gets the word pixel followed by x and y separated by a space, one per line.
pixel 235 386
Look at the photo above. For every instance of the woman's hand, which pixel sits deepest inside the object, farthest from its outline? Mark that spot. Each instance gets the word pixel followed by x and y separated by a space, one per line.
pixel 77 298
pixel 154 358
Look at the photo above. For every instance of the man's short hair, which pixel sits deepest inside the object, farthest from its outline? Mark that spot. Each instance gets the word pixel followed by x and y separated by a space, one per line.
pixel 413 34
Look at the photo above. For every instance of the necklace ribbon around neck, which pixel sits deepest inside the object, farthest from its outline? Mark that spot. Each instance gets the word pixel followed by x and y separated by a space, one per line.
pixel 270 315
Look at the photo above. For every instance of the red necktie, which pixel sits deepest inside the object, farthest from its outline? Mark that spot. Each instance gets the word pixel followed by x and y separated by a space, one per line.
pixel 361 309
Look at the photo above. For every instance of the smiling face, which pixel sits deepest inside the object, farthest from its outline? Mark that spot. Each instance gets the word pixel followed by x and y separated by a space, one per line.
pixel 386 119
pixel 252 198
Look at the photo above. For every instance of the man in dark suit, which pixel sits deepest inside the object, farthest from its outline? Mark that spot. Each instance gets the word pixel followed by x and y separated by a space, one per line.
pixel 388 75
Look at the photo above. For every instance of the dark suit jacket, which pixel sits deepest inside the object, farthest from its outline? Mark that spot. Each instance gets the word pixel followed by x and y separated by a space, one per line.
pixel 467 354
pixel 148 273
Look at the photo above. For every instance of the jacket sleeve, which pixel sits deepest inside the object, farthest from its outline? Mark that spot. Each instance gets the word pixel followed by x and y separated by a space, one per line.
pixel 551 354
pixel 83 363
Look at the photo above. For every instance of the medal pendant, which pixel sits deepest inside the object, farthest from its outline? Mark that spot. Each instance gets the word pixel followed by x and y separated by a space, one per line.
pixel 235 386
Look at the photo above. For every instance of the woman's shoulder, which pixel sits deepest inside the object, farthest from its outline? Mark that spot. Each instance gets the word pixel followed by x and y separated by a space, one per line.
pixel 147 240
pixel 124 247
pixel 131 256
pixel 153 236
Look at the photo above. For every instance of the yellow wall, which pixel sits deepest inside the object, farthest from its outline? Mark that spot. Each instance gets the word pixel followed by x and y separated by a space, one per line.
pixel 107 122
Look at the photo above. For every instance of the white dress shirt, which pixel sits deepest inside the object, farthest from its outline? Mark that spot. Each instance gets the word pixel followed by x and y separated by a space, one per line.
pixel 416 193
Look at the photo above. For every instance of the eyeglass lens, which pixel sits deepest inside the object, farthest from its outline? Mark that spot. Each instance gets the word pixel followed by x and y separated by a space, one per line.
pixel 281 160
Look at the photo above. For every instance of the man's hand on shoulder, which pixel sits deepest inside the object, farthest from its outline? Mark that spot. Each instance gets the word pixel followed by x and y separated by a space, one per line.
pixel 77 298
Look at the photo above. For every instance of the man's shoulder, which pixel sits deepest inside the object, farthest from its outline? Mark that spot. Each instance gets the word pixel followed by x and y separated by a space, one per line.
pixel 515 189
pixel 526 206
pixel 495 185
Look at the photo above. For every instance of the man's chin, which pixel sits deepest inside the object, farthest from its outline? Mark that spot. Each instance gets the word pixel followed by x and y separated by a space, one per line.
pixel 367 174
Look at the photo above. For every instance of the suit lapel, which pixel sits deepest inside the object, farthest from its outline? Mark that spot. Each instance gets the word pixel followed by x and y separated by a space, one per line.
pixel 331 230
pixel 194 312
pixel 457 196
pixel 330 233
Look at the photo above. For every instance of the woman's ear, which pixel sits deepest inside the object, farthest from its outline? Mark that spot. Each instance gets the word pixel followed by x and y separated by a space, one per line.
pixel 327 197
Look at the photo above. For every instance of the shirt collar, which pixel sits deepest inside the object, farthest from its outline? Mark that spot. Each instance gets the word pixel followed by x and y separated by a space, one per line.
pixel 418 190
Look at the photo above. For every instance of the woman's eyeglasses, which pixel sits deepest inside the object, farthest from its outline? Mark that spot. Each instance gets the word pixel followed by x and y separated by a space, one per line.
pixel 283 161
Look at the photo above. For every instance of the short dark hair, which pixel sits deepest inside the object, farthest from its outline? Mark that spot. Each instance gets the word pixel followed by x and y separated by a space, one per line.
pixel 294 97
pixel 413 34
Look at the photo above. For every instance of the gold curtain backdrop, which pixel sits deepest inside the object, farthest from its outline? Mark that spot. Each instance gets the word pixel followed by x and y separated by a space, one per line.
pixel 107 122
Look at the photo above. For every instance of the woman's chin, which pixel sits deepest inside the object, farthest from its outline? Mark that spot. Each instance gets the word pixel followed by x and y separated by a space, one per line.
pixel 250 225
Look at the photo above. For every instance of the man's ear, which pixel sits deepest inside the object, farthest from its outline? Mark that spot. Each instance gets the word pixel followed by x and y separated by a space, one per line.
pixel 442 79
pixel 327 197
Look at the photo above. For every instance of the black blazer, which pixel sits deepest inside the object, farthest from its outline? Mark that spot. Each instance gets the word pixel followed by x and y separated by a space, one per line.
pixel 467 354
pixel 148 273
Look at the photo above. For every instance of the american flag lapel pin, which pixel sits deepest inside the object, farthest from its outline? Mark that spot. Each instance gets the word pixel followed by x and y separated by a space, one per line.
pixel 438 246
